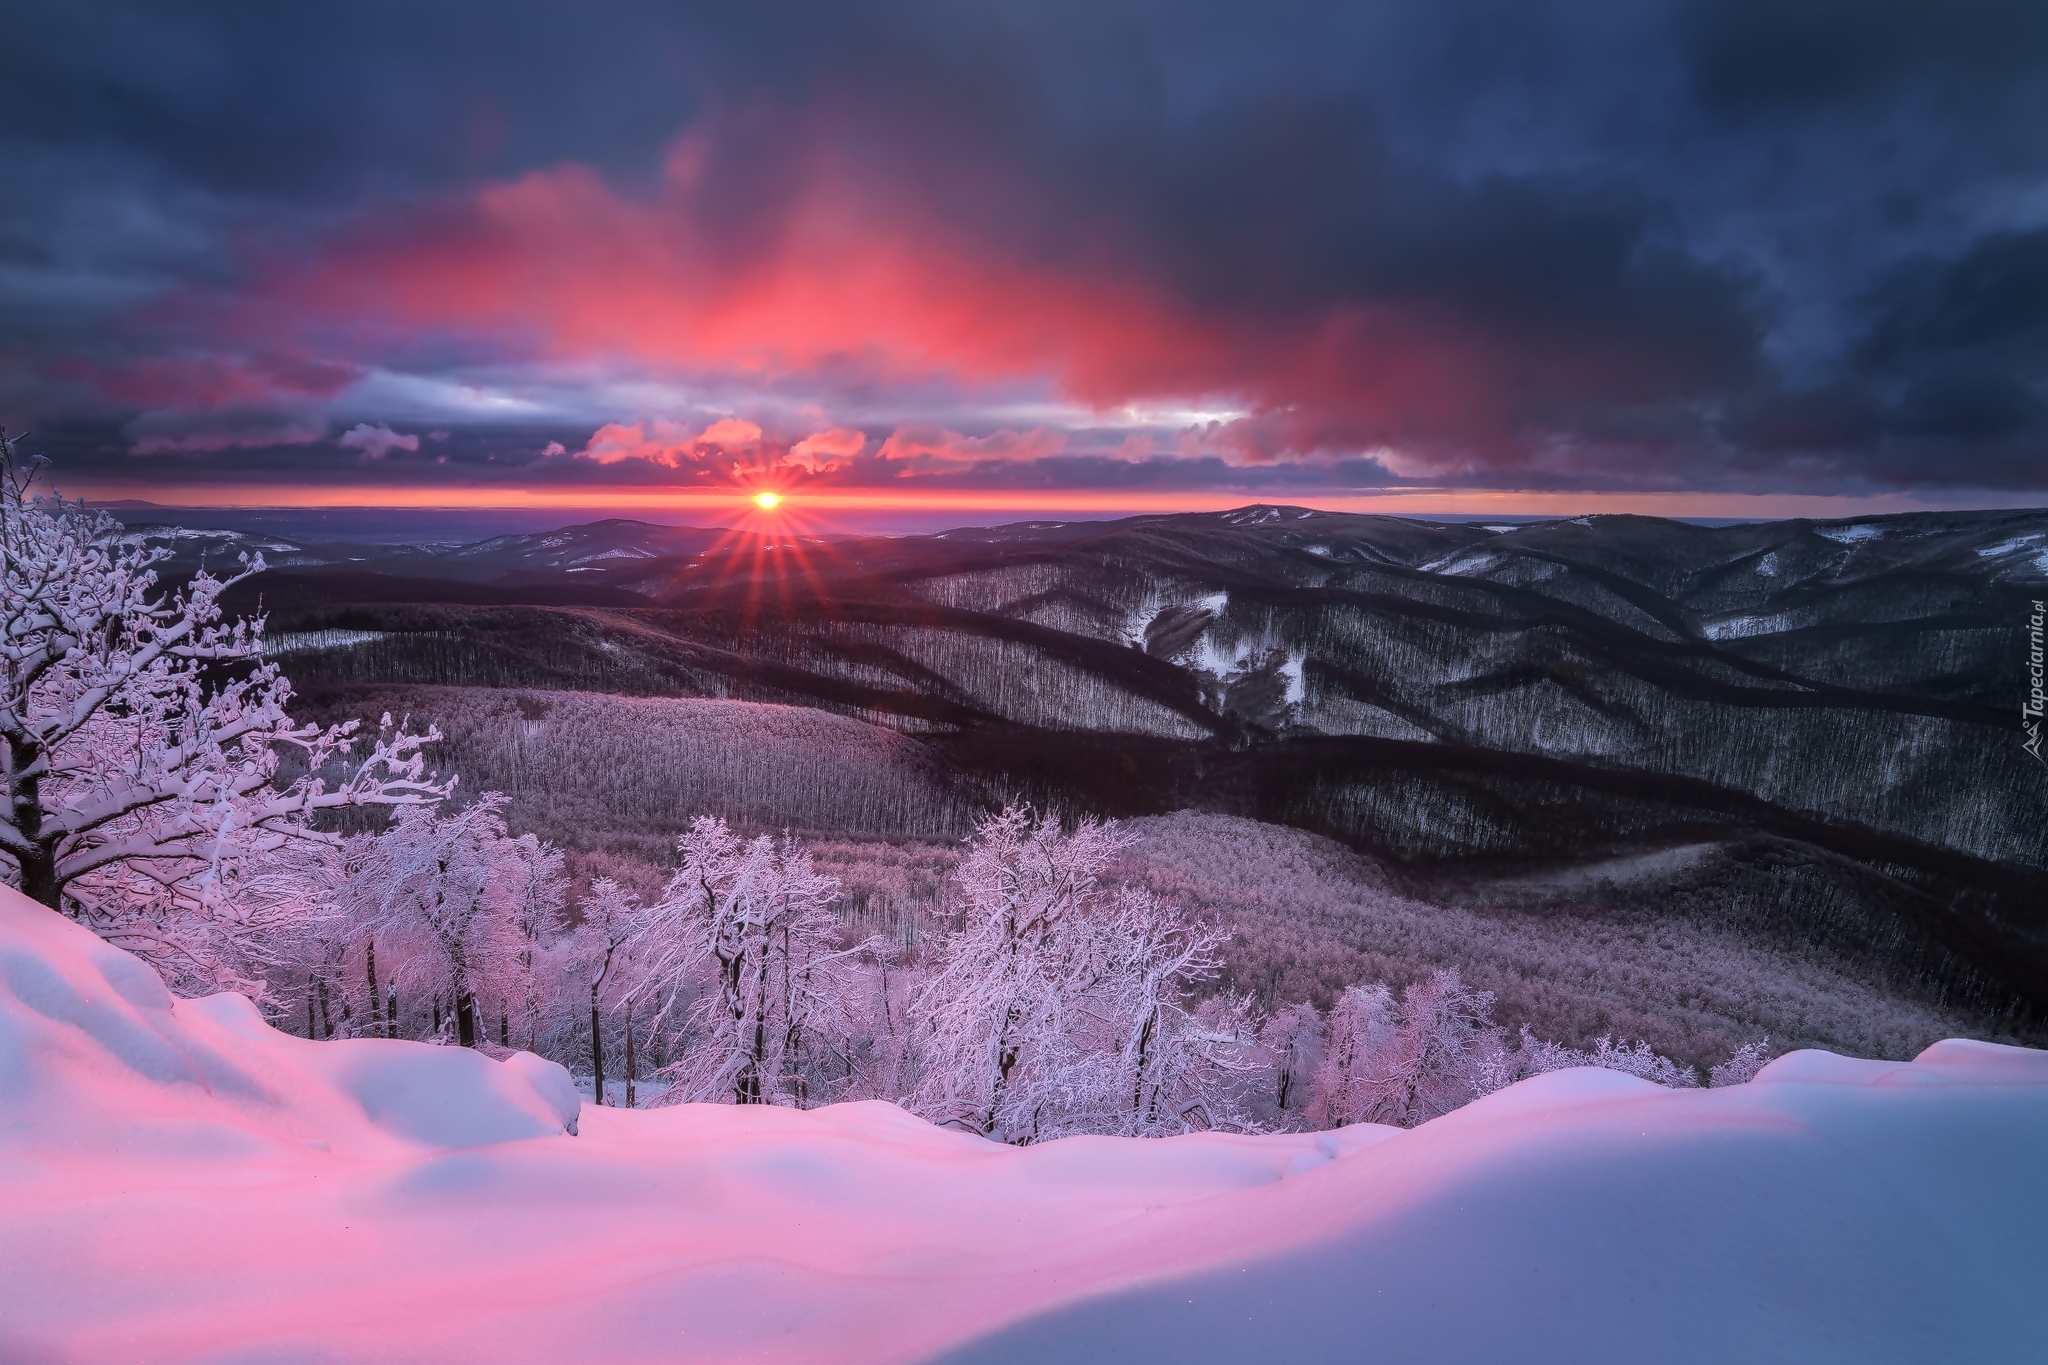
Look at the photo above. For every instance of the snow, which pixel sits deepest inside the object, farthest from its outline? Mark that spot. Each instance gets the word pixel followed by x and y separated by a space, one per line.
pixel 1747 626
pixel 1851 534
pixel 2030 544
pixel 2006 547
pixel 1294 670
pixel 179 1183
pixel 1462 562
pixel 620 553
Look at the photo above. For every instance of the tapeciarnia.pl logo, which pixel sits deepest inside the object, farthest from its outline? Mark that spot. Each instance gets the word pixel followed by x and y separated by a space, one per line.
pixel 2031 709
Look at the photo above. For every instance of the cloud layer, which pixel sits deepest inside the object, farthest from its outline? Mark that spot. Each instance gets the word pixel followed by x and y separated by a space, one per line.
pixel 1546 246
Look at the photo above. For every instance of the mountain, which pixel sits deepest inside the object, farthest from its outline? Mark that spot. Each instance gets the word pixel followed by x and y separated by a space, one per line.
pixel 1825 713
pixel 589 548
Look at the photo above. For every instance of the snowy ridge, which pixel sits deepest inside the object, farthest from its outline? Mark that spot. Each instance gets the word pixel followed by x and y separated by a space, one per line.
pixel 182 1184
pixel 1851 533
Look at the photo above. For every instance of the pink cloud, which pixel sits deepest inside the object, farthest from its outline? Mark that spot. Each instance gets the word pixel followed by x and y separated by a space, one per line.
pixel 673 444
pixel 824 451
pixel 927 446
pixel 377 441
pixel 730 433
pixel 659 441
pixel 829 269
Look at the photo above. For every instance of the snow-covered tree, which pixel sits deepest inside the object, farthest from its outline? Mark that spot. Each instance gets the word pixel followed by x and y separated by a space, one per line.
pixel 613 917
pixel 992 1040
pixel 1293 1035
pixel 537 890
pixel 140 737
pixel 1405 1061
pixel 1169 1060
pixel 754 917
pixel 451 896
pixel 1064 1004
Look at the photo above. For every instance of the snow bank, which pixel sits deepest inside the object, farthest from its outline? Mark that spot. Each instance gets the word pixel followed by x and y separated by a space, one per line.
pixel 95 1053
pixel 180 1184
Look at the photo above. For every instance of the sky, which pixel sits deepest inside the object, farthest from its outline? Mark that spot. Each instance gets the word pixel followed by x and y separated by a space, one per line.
pixel 1753 257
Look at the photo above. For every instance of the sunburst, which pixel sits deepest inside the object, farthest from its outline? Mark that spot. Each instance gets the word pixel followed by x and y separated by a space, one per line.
pixel 769 557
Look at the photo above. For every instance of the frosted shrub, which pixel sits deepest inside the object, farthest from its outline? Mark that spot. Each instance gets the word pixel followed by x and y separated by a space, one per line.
pixel 1637 1059
pixel 1534 1057
pixel 1741 1069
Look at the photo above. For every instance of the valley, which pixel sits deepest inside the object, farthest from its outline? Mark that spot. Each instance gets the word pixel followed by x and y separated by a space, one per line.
pixel 1518 722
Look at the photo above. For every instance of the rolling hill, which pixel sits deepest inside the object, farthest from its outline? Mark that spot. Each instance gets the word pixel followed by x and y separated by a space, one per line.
pixel 1829 709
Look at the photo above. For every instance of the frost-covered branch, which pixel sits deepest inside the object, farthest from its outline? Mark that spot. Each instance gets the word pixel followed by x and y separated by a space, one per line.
pixel 140 734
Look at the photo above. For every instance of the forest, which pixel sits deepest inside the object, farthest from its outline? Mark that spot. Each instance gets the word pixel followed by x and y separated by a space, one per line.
pixel 784 858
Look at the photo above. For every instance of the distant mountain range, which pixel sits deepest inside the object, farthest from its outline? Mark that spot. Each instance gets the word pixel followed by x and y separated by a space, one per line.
pixel 1825 714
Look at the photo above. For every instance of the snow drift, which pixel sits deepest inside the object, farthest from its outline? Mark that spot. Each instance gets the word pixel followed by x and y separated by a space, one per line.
pixel 180 1183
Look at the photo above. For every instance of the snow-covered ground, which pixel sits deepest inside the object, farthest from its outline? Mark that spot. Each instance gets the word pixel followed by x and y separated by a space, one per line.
pixel 180 1183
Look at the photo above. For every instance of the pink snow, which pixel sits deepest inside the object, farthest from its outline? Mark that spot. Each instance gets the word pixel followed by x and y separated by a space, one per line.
pixel 179 1182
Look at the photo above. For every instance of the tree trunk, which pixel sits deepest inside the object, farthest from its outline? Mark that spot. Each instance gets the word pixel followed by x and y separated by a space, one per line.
pixel 1139 1114
pixel 38 862
pixel 596 1051
pixel 629 1059
pixel 465 1019
pixel 391 1015
pixel 370 963
pixel 39 876
pixel 312 1031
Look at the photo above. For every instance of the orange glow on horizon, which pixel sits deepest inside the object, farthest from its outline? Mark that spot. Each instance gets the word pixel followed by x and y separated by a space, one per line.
pixel 1419 502
pixel 767 500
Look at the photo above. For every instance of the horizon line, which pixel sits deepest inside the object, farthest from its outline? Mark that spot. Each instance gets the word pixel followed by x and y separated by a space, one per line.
pixel 1419 503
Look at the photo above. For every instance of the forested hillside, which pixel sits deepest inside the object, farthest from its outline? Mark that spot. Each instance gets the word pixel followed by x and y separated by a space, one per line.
pixel 1827 709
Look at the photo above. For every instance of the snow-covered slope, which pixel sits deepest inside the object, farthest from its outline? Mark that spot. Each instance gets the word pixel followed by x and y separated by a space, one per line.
pixel 178 1183
pixel 98 1060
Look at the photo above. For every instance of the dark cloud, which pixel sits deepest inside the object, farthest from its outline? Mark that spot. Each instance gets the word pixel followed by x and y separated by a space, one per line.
pixel 1528 244
pixel 1763 55
pixel 1991 304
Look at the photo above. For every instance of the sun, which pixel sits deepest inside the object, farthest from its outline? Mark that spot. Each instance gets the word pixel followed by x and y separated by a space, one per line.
pixel 767 501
